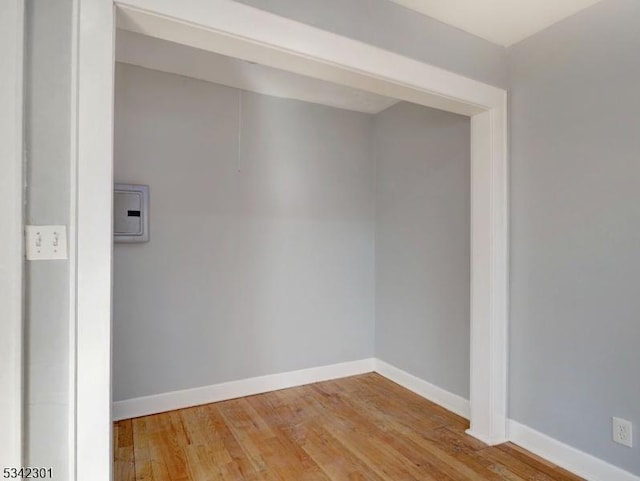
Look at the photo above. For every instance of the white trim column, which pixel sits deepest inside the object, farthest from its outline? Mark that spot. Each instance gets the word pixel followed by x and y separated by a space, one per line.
pixel 94 174
pixel 11 241
pixel 489 276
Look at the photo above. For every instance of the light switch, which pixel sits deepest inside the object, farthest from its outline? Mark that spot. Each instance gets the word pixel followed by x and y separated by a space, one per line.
pixel 46 242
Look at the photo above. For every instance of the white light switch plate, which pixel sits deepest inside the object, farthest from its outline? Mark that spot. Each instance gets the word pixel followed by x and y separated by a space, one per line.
pixel 46 242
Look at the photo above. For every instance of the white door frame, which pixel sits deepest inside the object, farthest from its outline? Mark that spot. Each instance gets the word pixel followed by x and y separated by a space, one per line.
pixel 11 241
pixel 234 29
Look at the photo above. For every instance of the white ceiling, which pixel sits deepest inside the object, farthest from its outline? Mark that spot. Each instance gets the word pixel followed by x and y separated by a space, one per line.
pixel 504 22
pixel 137 49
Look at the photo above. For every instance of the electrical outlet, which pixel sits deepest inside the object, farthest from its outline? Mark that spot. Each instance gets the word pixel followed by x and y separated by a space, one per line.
pixel 622 432
pixel 46 242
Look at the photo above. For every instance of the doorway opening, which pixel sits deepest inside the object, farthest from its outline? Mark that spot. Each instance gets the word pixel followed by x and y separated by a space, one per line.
pixel 248 34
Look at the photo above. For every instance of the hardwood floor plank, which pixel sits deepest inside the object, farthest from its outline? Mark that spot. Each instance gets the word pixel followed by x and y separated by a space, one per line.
pixel 296 459
pixel 143 469
pixel 124 467
pixel 202 464
pixel 240 461
pixel 352 429
pixel 177 427
pixel 125 434
pixel 116 428
pixel 124 459
pixel 168 459
pixel 250 436
pixel 202 433
pixel 335 460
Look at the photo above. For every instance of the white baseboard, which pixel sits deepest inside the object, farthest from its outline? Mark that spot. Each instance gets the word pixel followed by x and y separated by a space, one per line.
pixel 452 402
pixel 565 456
pixel 143 406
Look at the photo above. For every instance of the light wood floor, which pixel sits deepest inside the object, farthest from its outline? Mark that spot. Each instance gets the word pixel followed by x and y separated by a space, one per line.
pixel 358 428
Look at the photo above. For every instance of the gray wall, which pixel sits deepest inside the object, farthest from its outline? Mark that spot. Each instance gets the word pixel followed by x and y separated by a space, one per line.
pixel 392 27
pixel 260 261
pixel 575 220
pixel 422 243
pixel 47 144
pixel 264 262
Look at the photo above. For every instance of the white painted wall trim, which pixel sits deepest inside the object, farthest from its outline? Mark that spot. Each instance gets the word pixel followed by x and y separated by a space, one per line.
pixel 489 275
pixel 11 241
pixel 241 31
pixel 565 456
pixel 452 402
pixel 93 224
pixel 72 240
pixel 234 29
pixel 146 405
